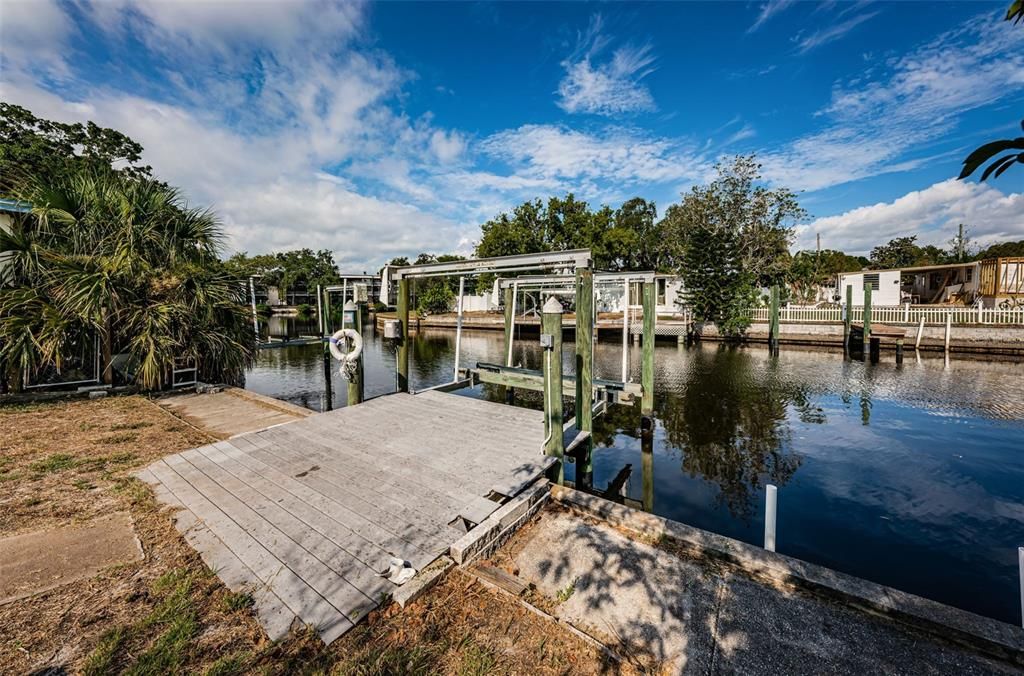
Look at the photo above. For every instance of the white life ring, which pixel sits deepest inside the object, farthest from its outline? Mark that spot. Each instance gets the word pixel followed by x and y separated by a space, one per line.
pixel 344 336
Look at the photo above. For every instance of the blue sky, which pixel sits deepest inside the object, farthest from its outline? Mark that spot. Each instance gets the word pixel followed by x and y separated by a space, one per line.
pixel 377 130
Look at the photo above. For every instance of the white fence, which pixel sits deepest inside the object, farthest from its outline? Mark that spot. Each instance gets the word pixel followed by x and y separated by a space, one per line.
pixel 896 314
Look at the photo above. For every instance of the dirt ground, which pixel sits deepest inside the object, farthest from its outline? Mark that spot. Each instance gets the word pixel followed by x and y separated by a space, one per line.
pixel 66 462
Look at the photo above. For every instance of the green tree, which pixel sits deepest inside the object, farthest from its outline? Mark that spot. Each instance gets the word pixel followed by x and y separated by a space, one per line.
pixel 731 237
pixel 103 252
pixel 34 150
pixel 900 252
pixel 811 270
pixel 1001 250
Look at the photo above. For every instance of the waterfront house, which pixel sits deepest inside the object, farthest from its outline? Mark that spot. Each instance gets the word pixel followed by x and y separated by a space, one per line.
pixel 988 282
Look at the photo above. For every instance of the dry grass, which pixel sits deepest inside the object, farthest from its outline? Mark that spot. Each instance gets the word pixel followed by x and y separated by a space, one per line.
pixel 71 461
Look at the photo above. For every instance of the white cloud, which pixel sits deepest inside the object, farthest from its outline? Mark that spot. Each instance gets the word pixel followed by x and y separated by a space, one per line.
pixel 830 34
pixel 447 146
pixel 872 126
pixel 33 34
pixel 611 87
pixel 932 214
pixel 767 11
pixel 613 154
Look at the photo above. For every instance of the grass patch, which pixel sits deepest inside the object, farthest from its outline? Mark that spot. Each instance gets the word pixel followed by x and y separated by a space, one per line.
pixel 410 661
pixel 176 619
pixel 83 485
pixel 119 427
pixel 53 463
pixel 235 601
pixel 100 660
pixel 228 665
pixel 123 438
pixel 477 660
pixel 566 594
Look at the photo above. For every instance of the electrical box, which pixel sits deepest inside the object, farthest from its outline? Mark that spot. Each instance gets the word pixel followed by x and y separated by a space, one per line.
pixel 392 329
pixel 360 293
pixel 547 341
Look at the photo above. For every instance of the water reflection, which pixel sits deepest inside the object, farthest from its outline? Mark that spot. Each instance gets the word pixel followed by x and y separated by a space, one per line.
pixel 733 429
pixel 911 476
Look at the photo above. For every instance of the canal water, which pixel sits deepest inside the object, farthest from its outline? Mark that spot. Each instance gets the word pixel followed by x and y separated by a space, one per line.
pixel 910 476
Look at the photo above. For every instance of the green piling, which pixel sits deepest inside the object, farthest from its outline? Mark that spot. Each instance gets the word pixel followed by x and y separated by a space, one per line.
pixel 402 362
pixel 584 366
pixel 647 364
pixel 554 445
pixel 848 320
pixel 355 386
pixel 866 332
pixel 773 323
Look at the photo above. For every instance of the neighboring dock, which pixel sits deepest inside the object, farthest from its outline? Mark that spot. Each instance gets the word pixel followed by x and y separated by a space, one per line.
pixel 306 515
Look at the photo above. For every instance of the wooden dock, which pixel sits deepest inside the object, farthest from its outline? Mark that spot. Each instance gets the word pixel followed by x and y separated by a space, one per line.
pixel 305 515
pixel 232 411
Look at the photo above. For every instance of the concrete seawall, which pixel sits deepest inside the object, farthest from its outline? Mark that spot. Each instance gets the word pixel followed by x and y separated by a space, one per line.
pixel 981 339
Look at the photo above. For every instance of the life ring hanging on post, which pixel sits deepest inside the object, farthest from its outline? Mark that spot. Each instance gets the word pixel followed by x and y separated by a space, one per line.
pixel 349 357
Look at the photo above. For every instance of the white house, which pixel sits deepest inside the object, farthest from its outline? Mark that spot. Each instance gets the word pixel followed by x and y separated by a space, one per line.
pixel 885 286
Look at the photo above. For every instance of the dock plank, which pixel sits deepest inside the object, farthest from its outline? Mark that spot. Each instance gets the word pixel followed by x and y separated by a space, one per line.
pixel 306 514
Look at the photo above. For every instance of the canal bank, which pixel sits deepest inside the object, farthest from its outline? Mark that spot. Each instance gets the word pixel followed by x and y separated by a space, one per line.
pixel 975 339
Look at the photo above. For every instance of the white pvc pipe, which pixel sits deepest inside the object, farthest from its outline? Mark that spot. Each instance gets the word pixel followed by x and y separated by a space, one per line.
pixel 625 330
pixel 512 326
pixel 255 320
pixel 1020 565
pixel 458 329
pixel 920 332
pixel 320 311
pixel 949 324
pixel 770 509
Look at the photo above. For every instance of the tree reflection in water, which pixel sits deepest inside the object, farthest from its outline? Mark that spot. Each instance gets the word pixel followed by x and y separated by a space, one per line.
pixel 729 422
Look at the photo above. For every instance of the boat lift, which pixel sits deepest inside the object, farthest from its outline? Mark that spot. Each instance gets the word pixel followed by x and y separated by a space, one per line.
pixel 570 272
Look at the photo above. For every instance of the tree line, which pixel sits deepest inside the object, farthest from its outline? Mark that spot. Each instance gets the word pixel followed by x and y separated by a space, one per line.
pixel 99 248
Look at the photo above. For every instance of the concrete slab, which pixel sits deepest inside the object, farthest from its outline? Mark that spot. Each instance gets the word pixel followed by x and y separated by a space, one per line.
pixel 684 616
pixel 658 609
pixel 36 562
pixel 760 630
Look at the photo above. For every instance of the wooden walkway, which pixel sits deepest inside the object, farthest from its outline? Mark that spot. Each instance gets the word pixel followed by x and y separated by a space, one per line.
pixel 233 411
pixel 305 515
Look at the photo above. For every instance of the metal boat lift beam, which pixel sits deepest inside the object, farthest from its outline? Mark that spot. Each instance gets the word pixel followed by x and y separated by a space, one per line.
pixel 576 258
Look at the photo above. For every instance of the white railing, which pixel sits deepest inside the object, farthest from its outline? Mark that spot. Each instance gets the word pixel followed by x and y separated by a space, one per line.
pixel 896 314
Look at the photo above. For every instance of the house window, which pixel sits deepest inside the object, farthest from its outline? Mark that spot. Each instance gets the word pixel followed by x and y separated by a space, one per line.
pixel 872 279
pixel 970 275
pixel 662 284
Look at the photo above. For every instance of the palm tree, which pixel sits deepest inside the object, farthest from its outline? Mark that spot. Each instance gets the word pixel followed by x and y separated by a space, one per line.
pixel 990 150
pixel 125 258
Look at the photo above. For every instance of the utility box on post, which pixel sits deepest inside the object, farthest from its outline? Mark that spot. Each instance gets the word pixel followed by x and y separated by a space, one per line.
pixel 392 329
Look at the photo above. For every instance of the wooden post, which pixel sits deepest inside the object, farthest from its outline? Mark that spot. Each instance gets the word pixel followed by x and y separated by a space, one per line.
pixel 625 330
pixel 402 361
pixel 647 470
pixel 647 366
pixel 328 371
pixel 551 328
pixel 355 386
pixel 585 354
pixel 848 319
pixel 773 321
pixel 899 350
pixel 866 333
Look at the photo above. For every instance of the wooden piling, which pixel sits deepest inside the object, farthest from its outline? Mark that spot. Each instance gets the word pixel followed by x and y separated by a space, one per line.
pixel 647 470
pixel 866 330
pixel 328 371
pixel 355 385
pixel 899 350
pixel 551 325
pixel 584 355
pixel 773 324
pixel 509 309
pixel 647 366
pixel 848 319
pixel 402 360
